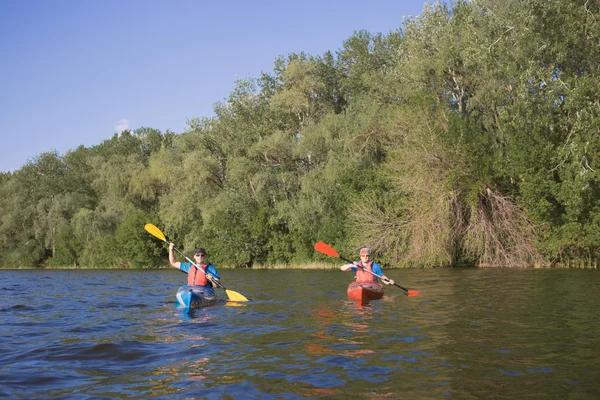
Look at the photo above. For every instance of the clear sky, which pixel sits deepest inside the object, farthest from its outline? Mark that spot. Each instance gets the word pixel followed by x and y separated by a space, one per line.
pixel 74 72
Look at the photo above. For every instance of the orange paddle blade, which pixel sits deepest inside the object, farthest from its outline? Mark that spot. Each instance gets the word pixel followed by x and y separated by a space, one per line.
pixel 326 249
pixel 412 293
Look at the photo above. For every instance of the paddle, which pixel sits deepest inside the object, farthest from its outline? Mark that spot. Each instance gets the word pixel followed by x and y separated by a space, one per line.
pixel 154 231
pixel 330 251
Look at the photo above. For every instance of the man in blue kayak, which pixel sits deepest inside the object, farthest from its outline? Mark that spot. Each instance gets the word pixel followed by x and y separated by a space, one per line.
pixel 366 269
pixel 199 273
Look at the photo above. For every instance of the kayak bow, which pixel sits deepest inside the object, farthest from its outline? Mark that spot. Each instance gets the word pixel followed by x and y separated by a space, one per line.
pixel 196 296
pixel 365 291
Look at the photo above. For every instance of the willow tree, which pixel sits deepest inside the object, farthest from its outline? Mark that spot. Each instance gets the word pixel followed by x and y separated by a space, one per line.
pixel 542 74
pixel 509 129
pixel 443 158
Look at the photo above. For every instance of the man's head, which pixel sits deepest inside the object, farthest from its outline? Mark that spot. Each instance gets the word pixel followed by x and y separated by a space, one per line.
pixel 365 253
pixel 199 252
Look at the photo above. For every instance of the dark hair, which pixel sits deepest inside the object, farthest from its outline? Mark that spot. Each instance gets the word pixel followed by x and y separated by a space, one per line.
pixel 199 250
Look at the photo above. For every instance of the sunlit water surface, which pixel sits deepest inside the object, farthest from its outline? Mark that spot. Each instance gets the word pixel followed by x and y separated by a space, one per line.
pixel 471 334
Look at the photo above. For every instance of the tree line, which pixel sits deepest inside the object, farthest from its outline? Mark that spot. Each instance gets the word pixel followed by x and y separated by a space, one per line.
pixel 469 136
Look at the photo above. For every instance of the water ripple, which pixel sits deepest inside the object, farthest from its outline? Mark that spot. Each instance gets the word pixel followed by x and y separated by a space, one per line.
pixel 470 333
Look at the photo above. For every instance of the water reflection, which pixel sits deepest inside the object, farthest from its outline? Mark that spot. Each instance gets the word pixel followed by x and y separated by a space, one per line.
pixel 319 345
pixel 195 316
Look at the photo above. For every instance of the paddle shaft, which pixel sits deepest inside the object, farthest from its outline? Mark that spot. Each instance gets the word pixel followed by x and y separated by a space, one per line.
pixel 371 272
pixel 235 296
pixel 326 249
pixel 216 282
pixel 157 233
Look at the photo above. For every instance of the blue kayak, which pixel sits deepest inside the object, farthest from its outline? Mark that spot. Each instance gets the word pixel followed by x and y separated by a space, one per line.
pixel 196 296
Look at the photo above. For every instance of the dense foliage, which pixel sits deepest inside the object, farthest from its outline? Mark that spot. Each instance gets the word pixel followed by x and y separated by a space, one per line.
pixel 470 136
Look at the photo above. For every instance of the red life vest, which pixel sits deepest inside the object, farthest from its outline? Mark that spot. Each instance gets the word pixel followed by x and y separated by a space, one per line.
pixel 363 276
pixel 197 278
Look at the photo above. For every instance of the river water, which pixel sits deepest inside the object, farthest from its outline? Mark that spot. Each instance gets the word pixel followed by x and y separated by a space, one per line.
pixel 471 334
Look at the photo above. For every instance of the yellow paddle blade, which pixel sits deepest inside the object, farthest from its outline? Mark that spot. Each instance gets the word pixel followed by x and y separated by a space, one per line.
pixel 154 231
pixel 230 303
pixel 235 296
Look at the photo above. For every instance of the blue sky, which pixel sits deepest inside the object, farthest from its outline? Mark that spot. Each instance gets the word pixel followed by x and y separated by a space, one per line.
pixel 74 72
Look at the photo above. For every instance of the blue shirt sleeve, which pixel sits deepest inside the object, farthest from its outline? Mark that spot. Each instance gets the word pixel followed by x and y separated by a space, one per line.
pixel 212 270
pixel 377 268
pixel 185 266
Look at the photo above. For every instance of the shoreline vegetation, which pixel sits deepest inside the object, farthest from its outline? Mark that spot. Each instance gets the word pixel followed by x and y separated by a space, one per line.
pixel 168 267
pixel 311 266
pixel 469 136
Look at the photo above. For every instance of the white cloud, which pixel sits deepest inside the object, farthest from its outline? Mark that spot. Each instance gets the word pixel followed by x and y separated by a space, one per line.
pixel 122 125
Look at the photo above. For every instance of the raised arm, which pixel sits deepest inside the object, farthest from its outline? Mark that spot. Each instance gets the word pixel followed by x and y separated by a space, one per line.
pixel 172 261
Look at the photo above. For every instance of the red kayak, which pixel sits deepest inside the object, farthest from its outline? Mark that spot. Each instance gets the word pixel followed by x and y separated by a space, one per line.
pixel 364 291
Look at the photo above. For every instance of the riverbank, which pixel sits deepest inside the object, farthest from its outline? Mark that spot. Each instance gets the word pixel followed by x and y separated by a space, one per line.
pixel 316 266
pixel 311 266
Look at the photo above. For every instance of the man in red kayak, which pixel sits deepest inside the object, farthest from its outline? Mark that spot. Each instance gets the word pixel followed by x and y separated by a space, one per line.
pixel 365 269
pixel 200 274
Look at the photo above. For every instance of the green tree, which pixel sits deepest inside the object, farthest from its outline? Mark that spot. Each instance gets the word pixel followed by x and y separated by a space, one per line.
pixel 135 247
